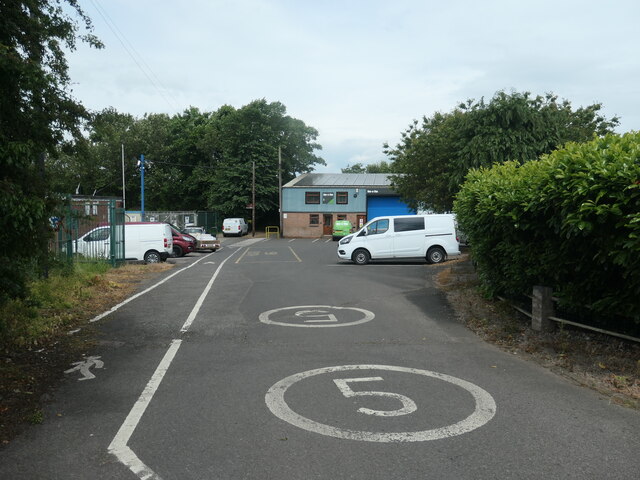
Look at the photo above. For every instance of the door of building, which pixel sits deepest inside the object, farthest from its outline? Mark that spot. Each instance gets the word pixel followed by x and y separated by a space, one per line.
pixel 361 221
pixel 327 224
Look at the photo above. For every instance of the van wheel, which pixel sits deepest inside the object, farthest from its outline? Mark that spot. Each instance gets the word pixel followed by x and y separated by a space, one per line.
pixel 177 251
pixel 436 255
pixel 361 257
pixel 152 257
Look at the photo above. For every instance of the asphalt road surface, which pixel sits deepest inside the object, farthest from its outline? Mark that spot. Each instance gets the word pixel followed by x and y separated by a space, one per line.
pixel 271 359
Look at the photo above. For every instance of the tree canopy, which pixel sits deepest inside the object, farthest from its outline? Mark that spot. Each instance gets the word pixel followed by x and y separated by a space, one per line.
pixel 36 112
pixel 435 155
pixel 194 160
pixel 380 167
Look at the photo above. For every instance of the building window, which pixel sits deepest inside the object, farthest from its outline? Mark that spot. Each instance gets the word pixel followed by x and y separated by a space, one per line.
pixel 314 219
pixel 342 198
pixel 342 217
pixel 312 198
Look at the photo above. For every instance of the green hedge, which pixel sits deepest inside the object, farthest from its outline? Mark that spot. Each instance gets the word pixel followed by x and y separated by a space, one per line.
pixel 570 220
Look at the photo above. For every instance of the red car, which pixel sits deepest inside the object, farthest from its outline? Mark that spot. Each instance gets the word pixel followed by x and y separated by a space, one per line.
pixel 183 243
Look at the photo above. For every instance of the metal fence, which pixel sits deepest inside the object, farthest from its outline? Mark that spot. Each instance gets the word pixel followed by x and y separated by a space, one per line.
pixel 209 220
pixel 89 230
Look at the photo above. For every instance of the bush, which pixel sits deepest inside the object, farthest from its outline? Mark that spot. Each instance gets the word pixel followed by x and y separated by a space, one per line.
pixel 570 220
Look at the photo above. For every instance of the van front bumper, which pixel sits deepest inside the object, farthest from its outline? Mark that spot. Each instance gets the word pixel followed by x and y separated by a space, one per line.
pixel 343 255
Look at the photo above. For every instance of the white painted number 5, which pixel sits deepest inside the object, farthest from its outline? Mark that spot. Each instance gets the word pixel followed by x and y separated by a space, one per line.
pixel 408 405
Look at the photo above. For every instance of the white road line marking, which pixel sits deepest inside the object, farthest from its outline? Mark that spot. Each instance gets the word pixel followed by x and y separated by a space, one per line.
pixel 139 294
pixel 204 294
pixel 295 255
pixel 328 240
pixel 293 239
pixel 243 254
pixel 247 242
pixel 118 446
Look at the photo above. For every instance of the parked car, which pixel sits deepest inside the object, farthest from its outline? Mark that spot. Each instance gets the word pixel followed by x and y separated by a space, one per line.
pixel 431 237
pixel 204 241
pixel 341 228
pixel 234 226
pixel 148 241
pixel 183 243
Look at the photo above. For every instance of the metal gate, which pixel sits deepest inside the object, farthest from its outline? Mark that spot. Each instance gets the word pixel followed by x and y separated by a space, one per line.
pixel 89 230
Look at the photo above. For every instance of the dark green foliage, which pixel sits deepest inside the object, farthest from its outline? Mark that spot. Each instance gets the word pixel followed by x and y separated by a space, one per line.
pixel 435 156
pixel 381 167
pixel 36 112
pixel 570 220
pixel 194 161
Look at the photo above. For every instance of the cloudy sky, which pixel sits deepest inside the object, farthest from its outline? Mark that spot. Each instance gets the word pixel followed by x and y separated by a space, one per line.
pixel 359 71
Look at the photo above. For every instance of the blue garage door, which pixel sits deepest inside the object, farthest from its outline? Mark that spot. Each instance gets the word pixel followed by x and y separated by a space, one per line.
pixel 380 206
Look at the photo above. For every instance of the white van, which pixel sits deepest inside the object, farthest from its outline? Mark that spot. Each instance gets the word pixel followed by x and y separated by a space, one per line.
pixel 234 226
pixel 431 237
pixel 148 241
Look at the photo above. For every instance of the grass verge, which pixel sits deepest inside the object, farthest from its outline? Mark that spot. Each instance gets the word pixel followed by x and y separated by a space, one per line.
pixel 606 364
pixel 41 336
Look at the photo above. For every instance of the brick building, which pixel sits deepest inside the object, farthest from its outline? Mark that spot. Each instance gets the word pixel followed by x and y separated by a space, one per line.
pixel 313 201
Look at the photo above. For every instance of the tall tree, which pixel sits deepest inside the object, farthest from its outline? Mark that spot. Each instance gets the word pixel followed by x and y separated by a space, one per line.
pixel 240 138
pixel 435 156
pixel 36 112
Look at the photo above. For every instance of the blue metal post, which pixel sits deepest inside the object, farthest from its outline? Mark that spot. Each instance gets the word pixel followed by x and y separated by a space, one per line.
pixel 142 186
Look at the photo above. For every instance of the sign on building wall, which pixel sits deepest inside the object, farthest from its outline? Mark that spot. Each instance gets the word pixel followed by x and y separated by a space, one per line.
pixel 328 198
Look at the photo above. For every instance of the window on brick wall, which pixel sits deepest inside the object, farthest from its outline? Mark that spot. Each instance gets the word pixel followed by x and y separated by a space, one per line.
pixel 314 219
pixel 342 198
pixel 312 198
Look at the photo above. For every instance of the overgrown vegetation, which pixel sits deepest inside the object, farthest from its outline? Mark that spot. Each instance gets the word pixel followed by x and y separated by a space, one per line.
pixel 570 220
pixel 52 304
pixel 36 344
pixel 606 364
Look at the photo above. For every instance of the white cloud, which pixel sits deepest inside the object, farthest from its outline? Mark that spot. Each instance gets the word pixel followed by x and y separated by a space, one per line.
pixel 359 71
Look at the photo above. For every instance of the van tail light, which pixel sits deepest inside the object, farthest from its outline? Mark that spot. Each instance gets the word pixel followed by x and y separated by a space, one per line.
pixel 166 242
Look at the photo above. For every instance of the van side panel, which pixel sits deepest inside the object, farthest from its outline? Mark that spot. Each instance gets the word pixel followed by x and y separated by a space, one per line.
pixel 409 237
pixel 141 238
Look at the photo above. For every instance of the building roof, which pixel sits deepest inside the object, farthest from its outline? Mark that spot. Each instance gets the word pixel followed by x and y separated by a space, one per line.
pixel 341 180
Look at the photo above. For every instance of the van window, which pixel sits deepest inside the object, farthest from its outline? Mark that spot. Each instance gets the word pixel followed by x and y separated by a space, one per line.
pixel 378 227
pixel 98 235
pixel 408 224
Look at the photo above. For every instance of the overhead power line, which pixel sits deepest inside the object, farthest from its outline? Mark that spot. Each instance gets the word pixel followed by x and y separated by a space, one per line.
pixel 136 57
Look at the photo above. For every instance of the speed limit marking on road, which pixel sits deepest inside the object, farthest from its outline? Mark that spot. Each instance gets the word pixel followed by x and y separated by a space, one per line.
pixel 485 406
pixel 316 316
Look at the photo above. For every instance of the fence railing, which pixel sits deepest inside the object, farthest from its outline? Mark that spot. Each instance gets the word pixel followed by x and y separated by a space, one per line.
pixel 95 236
pixel 543 317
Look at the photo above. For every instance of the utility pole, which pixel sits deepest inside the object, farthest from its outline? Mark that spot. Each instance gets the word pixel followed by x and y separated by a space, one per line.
pixel 280 189
pixel 124 192
pixel 253 201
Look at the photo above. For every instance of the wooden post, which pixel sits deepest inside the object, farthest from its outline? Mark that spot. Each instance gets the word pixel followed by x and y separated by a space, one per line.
pixel 541 309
